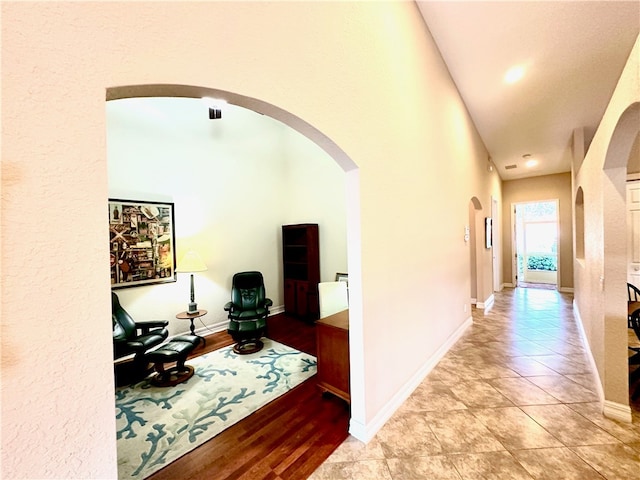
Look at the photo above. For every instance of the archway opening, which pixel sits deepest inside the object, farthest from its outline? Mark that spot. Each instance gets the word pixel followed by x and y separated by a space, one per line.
pixel 616 255
pixel 351 197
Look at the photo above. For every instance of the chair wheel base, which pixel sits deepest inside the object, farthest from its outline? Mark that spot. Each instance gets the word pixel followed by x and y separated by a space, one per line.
pixel 173 376
pixel 247 347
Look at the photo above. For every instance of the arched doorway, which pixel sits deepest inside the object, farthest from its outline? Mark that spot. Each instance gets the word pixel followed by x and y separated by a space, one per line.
pixel 352 196
pixel 615 170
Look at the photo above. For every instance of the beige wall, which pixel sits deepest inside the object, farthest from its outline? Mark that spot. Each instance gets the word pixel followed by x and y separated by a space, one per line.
pixel 364 79
pixel 547 187
pixel 600 291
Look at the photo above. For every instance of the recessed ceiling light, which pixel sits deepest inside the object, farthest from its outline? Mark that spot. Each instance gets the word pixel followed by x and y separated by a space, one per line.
pixel 531 163
pixel 514 74
pixel 213 102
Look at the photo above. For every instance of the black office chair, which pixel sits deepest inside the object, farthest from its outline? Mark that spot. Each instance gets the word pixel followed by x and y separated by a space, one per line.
pixel 248 312
pixel 131 337
pixel 634 296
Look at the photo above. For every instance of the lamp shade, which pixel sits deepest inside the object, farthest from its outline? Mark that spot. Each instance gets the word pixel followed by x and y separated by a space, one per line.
pixel 191 262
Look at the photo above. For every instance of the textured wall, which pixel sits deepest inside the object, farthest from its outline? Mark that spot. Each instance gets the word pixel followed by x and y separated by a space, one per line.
pixel 365 74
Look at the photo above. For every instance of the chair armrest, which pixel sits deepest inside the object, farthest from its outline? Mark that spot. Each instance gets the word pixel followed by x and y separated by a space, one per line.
pixel 152 323
pixel 146 326
pixel 228 307
pixel 268 302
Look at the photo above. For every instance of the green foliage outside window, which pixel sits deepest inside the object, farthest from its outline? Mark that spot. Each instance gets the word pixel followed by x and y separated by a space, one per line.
pixel 542 262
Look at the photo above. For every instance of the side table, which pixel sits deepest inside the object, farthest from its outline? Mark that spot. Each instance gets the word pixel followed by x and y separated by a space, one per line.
pixel 192 316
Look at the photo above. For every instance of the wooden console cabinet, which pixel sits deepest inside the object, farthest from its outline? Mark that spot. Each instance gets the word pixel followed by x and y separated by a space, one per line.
pixel 301 258
pixel 333 354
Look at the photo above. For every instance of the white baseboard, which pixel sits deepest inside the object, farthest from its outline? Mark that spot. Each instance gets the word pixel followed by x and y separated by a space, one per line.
pixel 614 410
pixel 222 326
pixel 365 432
pixel 508 285
pixel 209 329
pixel 565 289
pixel 617 411
pixel 585 340
pixel 474 301
pixel 487 304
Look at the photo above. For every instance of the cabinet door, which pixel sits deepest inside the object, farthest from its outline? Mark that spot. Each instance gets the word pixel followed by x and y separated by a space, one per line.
pixel 333 360
pixel 290 296
pixel 302 302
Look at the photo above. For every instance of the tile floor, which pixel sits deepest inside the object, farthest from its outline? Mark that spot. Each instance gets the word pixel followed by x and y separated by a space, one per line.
pixel 514 399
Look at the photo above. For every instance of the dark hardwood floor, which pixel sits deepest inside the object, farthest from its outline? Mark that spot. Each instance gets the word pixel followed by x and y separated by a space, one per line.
pixel 286 439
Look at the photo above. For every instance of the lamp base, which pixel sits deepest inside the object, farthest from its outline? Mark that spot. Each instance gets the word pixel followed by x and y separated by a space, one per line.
pixel 193 307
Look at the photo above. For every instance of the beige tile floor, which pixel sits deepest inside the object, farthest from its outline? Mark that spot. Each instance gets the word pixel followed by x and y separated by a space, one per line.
pixel 514 399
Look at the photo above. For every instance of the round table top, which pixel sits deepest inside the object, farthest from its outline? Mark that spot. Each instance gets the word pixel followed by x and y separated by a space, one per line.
pixel 187 315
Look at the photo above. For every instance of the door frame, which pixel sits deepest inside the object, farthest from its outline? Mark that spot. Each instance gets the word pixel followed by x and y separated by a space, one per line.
pixel 514 244
pixel 495 234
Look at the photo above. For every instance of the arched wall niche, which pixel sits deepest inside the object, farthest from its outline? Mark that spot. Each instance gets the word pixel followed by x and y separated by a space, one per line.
pixel 475 263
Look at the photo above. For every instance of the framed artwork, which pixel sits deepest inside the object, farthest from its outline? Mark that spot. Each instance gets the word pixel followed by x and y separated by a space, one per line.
pixel 488 234
pixel 141 243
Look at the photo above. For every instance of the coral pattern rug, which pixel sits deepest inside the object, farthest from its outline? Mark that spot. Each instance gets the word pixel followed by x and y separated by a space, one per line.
pixel 157 425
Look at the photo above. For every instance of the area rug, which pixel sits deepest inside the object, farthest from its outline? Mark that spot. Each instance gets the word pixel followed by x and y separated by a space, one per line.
pixel 157 425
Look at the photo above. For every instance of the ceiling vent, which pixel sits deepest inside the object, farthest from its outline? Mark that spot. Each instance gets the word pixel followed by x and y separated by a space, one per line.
pixel 511 167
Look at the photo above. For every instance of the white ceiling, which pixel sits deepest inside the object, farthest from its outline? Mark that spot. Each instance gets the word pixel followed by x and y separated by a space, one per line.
pixel 573 54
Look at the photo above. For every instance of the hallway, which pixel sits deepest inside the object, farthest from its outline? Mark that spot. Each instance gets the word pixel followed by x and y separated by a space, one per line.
pixel 515 398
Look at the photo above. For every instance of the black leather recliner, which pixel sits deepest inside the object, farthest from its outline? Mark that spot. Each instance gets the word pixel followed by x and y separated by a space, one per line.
pixel 248 312
pixel 131 337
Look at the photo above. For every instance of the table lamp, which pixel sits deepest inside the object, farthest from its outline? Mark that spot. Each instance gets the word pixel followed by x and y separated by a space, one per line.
pixel 191 262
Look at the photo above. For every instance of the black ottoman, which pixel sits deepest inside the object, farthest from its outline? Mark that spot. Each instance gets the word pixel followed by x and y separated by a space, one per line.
pixel 175 350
